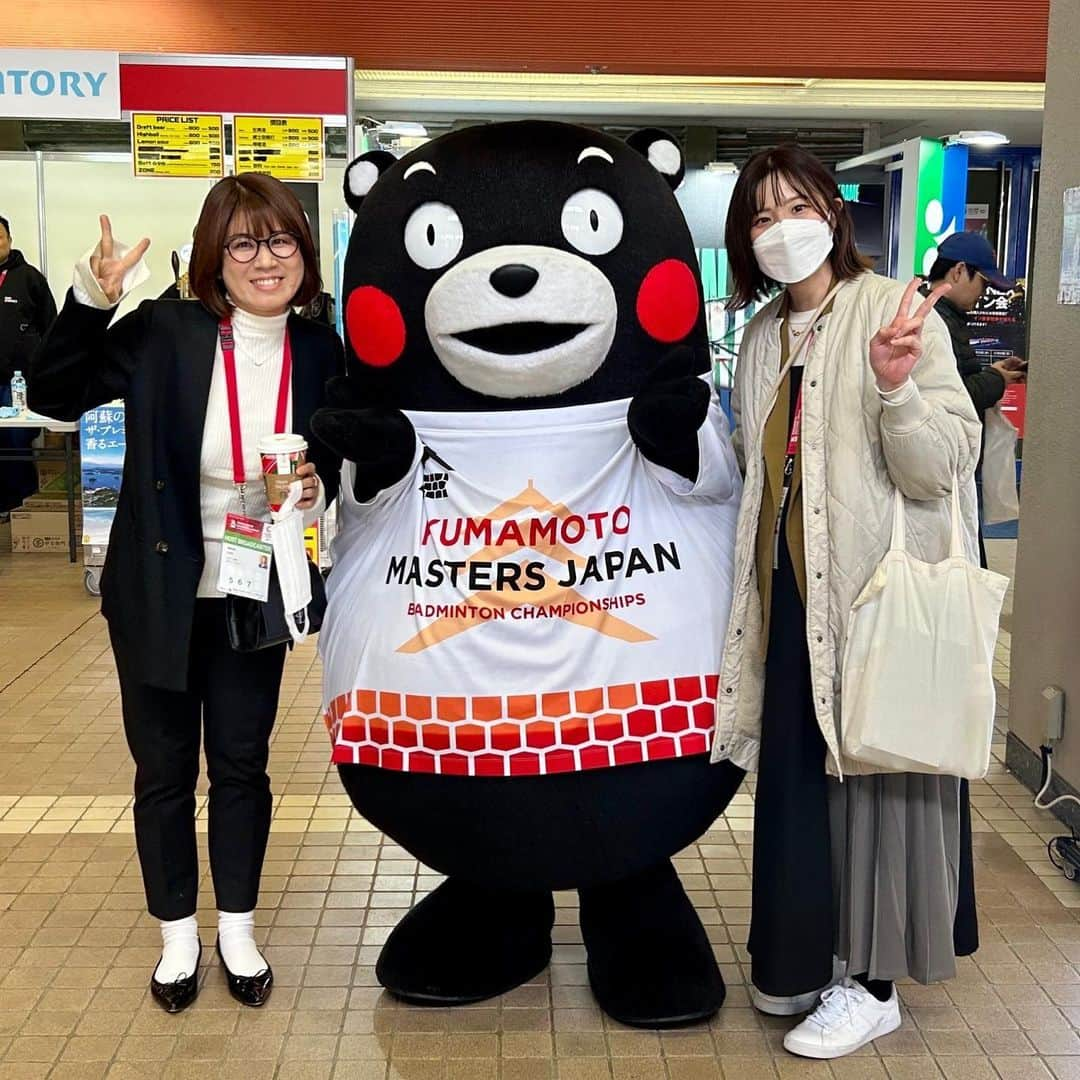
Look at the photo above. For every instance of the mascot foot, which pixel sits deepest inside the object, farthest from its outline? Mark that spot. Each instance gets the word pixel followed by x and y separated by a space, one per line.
pixel 650 961
pixel 465 943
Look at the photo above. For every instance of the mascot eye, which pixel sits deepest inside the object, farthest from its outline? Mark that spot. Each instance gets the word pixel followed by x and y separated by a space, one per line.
pixel 433 235
pixel 592 222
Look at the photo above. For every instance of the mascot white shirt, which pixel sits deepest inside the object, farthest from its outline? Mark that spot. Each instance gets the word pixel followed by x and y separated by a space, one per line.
pixel 528 598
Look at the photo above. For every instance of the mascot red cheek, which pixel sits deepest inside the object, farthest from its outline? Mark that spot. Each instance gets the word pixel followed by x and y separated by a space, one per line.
pixel 533 571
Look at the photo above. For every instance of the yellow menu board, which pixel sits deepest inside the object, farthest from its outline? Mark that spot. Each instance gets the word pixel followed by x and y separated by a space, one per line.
pixel 311 542
pixel 288 147
pixel 178 144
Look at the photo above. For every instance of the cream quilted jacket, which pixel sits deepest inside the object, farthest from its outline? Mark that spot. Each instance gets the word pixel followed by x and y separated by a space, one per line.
pixel 854 450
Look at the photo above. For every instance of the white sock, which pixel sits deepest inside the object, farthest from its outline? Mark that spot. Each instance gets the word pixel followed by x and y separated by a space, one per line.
pixel 179 950
pixel 236 935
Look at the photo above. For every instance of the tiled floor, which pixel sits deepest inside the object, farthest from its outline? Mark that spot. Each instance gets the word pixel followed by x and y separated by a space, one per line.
pixel 76 947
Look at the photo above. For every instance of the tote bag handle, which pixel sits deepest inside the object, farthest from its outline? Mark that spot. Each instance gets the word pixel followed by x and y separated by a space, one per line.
pixel 899 528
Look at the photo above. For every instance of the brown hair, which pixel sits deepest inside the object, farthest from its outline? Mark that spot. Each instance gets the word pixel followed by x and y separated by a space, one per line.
pixel 811 179
pixel 269 206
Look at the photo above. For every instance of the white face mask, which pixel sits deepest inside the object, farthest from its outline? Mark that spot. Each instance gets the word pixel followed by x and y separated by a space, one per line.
pixel 791 250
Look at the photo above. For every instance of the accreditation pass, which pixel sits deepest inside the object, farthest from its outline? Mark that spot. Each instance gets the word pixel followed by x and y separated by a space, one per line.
pixel 246 555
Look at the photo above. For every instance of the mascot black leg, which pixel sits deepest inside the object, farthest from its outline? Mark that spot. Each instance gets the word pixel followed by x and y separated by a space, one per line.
pixel 505 844
pixel 466 943
pixel 650 961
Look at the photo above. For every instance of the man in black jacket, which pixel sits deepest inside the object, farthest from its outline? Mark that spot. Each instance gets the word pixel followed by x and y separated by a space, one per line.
pixel 27 310
pixel 966 262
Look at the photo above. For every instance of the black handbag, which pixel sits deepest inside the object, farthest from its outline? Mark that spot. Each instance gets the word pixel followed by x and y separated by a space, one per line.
pixel 255 624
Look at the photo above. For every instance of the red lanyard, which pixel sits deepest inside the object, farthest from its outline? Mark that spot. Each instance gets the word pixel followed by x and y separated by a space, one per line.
pixel 796 432
pixel 228 354
pixel 3 278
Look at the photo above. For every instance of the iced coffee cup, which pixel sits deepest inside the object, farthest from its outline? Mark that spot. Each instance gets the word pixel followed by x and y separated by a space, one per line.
pixel 281 456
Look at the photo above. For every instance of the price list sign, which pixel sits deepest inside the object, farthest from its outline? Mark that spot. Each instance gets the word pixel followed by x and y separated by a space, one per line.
pixel 288 147
pixel 178 144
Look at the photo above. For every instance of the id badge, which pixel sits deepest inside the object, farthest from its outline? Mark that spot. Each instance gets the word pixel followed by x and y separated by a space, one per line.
pixel 246 556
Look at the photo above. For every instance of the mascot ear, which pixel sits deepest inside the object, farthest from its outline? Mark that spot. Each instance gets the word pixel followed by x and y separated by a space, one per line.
pixel 362 173
pixel 662 152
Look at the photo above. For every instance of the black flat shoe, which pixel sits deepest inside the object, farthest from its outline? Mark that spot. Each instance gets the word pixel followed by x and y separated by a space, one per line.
pixel 251 990
pixel 174 997
pixel 650 962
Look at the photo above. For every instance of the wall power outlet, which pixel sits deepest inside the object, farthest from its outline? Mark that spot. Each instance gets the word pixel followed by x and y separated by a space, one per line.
pixel 1054 712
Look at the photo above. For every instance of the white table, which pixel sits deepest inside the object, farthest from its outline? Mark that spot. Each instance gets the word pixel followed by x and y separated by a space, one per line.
pixel 32 421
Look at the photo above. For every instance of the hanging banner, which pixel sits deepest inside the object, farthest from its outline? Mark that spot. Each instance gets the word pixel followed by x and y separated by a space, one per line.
pixel 288 147
pixel 178 144
pixel 103 441
pixel 59 84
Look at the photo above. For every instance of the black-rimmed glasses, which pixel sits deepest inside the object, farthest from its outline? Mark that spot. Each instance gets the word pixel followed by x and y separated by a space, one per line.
pixel 243 249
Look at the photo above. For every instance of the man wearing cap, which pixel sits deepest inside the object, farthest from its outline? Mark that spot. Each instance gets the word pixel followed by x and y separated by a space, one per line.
pixel 966 262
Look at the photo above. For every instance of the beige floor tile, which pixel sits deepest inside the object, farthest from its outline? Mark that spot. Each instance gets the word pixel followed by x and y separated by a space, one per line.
pixel 1021 1068
pixel 76 946
pixel 967 1068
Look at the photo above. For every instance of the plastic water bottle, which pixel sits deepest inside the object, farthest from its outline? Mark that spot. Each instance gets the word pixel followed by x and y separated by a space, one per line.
pixel 18 391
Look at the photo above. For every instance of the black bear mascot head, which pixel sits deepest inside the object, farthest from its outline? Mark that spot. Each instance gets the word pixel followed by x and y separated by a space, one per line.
pixel 483 272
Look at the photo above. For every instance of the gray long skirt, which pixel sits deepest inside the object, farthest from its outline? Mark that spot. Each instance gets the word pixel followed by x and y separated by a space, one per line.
pixel 896 864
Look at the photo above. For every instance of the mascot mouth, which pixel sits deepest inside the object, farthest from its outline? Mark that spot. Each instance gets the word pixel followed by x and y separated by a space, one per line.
pixel 522 338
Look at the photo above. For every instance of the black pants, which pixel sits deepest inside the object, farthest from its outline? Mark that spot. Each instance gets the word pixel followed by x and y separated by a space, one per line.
pixel 792 923
pixel 966 927
pixel 232 698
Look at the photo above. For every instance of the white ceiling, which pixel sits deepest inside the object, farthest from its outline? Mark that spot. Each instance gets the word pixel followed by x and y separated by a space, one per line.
pixel 904 109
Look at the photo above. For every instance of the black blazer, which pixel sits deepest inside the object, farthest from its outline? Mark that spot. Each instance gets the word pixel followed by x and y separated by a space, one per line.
pixel 160 359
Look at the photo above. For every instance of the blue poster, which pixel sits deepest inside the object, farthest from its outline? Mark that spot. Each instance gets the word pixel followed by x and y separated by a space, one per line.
pixel 102 441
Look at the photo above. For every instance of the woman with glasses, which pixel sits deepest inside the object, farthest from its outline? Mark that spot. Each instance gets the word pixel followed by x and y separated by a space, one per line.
pixel 203 384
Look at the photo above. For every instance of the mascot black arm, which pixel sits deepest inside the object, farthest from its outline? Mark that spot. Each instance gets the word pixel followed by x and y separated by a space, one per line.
pixel 666 415
pixel 381 441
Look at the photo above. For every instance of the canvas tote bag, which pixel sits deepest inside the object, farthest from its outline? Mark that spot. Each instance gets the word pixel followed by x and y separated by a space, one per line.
pixel 917 690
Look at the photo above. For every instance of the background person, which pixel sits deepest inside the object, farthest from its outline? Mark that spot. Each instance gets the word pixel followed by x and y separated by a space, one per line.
pixel 27 310
pixel 966 264
pixel 179 678
pixel 864 870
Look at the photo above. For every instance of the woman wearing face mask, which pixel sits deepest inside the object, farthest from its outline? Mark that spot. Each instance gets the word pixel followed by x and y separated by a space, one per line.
pixel 203 383
pixel 846 387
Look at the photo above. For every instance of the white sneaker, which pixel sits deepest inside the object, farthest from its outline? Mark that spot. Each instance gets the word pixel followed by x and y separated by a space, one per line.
pixel 848 1018
pixel 771 1005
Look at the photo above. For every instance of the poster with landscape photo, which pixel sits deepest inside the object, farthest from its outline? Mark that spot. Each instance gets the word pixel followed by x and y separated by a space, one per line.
pixel 102 444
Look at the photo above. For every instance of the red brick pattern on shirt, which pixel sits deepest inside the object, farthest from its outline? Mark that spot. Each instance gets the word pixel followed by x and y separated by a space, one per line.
pixel 525 734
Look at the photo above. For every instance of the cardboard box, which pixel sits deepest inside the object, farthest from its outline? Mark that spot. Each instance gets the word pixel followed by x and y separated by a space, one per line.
pixel 54 440
pixel 52 479
pixel 35 531
pixel 52 504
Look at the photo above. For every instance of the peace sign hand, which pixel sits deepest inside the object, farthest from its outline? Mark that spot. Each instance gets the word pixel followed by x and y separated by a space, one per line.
pixel 108 268
pixel 895 349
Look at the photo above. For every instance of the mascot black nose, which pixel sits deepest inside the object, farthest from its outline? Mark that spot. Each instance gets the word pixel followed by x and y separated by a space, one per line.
pixel 514 279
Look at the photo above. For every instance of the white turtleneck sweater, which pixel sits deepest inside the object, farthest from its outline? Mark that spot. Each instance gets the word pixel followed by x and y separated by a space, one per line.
pixel 260 342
